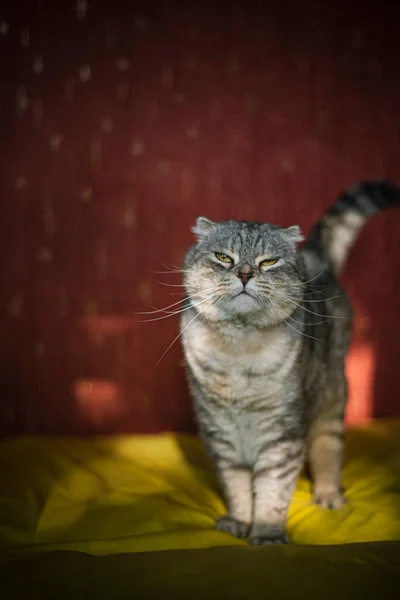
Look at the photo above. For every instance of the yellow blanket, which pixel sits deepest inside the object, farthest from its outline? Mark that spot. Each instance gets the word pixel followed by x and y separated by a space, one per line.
pixel 104 506
pixel 145 493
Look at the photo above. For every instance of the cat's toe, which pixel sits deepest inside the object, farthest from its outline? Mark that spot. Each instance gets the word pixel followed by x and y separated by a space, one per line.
pixel 329 499
pixel 260 541
pixel 230 525
pixel 261 535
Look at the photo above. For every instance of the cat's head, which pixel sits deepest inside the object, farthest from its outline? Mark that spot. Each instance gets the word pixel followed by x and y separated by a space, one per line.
pixel 244 270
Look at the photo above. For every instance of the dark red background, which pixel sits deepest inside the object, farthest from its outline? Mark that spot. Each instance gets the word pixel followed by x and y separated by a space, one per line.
pixel 120 123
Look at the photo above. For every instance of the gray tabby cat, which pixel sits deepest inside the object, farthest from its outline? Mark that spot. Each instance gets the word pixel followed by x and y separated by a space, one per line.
pixel 265 333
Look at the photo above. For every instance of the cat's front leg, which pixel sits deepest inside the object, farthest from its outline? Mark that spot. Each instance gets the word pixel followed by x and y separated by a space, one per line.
pixel 274 480
pixel 237 487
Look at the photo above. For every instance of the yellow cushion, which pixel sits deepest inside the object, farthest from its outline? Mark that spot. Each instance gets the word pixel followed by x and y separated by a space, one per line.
pixel 142 493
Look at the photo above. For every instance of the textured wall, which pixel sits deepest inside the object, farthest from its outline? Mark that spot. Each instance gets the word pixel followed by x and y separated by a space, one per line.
pixel 120 122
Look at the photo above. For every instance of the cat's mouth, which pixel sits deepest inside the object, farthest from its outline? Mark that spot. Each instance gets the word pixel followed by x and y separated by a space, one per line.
pixel 243 293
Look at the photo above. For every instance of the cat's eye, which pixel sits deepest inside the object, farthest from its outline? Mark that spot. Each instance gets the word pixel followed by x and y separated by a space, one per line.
pixel 268 262
pixel 224 258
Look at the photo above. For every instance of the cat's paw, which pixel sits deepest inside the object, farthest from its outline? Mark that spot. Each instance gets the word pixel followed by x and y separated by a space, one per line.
pixel 233 527
pixel 330 499
pixel 263 534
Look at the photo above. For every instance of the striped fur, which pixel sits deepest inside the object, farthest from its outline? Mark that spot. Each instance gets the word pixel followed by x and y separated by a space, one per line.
pixel 336 232
pixel 265 332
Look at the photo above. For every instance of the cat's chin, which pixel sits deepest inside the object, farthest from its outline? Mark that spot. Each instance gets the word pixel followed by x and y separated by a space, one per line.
pixel 244 301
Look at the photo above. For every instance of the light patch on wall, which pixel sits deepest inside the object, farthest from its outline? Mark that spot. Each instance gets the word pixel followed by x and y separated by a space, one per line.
pixel 55 142
pixel 137 148
pixel 25 39
pixel 164 166
pixel 81 9
pixel 129 217
pixel 98 399
pixel 288 164
pixel 85 73
pixel 38 65
pixel 178 99
pixel 360 371
pixel 86 193
pixel 20 183
pixel 106 125
pixel 4 28
pixel 122 63
pixel 100 327
pixel 44 254
pixel 38 350
pixel 22 100
pixel 192 132
pixel 15 307
pixel 144 290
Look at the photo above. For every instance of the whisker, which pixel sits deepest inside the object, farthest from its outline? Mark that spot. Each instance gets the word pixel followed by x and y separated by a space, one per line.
pixel 321 291
pixel 316 276
pixel 322 299
pixel 177 312
pixel 215 291
pixel 179 334
pixel 310 311
pixel 156 310
pixel 308 324
pixel 291 326
pixel 167 272
pixel 305 334
pixel 171 284
pixel 167 266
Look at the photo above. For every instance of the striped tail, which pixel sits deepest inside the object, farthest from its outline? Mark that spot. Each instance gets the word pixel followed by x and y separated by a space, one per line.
pixel 334 235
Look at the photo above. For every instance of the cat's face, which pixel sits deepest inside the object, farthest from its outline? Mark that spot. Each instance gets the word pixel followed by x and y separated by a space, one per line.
pixel 244 270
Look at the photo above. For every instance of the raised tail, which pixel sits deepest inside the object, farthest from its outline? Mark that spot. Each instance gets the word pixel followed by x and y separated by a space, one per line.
pixel 334 235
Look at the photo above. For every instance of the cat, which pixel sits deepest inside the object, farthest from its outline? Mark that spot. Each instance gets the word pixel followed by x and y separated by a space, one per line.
pixel 265 331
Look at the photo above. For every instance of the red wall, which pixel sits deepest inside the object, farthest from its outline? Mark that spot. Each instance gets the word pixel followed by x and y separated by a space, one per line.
pixel 118 127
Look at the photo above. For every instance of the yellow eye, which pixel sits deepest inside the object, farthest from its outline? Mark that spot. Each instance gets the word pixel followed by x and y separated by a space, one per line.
pixel 224 258
pixel 268 262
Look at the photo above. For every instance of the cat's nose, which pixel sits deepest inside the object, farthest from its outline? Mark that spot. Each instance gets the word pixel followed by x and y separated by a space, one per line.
pixel 245 276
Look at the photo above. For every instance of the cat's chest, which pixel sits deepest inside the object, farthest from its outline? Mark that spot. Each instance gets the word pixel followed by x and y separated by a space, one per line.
pixel 237 364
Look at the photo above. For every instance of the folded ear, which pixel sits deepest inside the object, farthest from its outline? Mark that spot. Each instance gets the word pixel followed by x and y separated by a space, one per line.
pixel 203 227
pixel 294 234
